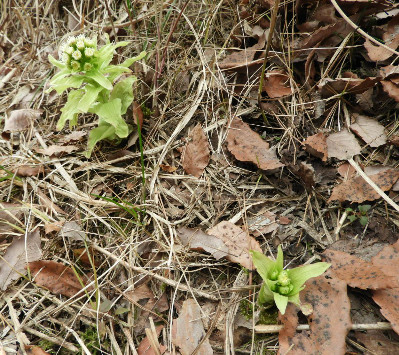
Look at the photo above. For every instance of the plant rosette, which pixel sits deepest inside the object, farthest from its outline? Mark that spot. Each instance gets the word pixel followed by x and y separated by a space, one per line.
pixel 88 72
pixel 283 286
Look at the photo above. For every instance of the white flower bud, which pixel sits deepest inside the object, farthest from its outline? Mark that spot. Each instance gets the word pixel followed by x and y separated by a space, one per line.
pixel 89 42
pixel 71 40
pixel 89 52
pixel 87 67
pixel 77 55
pixel 80 44
pixel 68 50
pixel 65 57
pixel 75 65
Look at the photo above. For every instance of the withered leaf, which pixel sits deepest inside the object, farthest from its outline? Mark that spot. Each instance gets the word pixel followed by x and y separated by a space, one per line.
pixel 21 251
pixel 262 224
pixel 342 145
pixel 277 84
pixel 388 260
pixel 167 168
pixel 27 171
pixel 238 242
pixel 34 350
pixel 145 347
pixel 377 343
pixel 391 89
pixel 357 272
pixel 21 120
pixel 329 322
pixel 388 299
pixel 58 278
pixel 196 239
pixel 75 136
pixel 10 214
pixel 356 189
pixel 317 145
pixel 246 145
pixel 370 130
pixel 188 330
pixel 346 171
pixel 196 154
pixel 57 150
pixel 330 87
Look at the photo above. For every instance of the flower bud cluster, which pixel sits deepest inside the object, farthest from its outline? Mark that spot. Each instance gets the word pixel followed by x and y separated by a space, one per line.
pixel 283 285
pixel 78 53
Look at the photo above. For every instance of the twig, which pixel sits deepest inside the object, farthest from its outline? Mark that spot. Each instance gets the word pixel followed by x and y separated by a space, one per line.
pixel 359 30
pixel 275 328
pixel 179 286
pixel 373 184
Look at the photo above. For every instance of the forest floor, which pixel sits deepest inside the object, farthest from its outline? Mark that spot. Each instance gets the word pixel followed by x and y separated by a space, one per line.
pixel 144 247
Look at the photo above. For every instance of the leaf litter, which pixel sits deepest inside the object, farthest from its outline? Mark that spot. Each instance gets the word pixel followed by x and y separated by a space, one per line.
pixel 338 97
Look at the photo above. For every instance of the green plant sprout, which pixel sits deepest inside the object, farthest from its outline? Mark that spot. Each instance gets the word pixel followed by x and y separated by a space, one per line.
pixel 283 286
pixel 360 214
pixel 87 70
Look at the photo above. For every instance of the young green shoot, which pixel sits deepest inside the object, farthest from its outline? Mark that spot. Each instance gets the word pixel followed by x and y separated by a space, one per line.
pixel 283 286
pixel 95 89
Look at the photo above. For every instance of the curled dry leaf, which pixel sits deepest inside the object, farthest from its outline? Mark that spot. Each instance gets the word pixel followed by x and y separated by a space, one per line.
pixel 58 278
pixel 53 227
pixel 27 171
pixel 21 120
pixel 350 85
pixel 356 189
pixel 391 89
pixel 262 224
pixel 277 84
pixel 57 150
pixel 22 250
pixel 75 136
pixel 188 330
pixel 238 242
pixel 357 272
pixel 371 131
pixel 195 156
pixel 196 239
pixel 329 322
pixel 317 145
pixel 342 145
pixel 246 145
pixel 167 168
pixel 145 347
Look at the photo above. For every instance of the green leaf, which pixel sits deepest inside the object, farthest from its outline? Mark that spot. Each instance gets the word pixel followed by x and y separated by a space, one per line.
pixel 281 302
pixel 352 218
pixel 363 220
pixel 128 62
pixel 106 53
pixel 265 295
pixel 364 208
pixel 280 259
pixel 89 97
pixel 100 79
pixel 110 112
pixel 70 110
pixel 301 274
pixel 295 299
pixel 97 134
pixel 62 83
pixel 124 91
pixel 263 264
pixel 56 62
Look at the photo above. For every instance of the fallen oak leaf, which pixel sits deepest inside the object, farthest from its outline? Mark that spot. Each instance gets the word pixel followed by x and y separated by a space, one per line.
pixel 188 330
pixel 356 189
pixel 58 278
pixel 21 251
pixel 196 239
pixel 238 242
pixel 196 154
pixel 357 272
pixel 246 145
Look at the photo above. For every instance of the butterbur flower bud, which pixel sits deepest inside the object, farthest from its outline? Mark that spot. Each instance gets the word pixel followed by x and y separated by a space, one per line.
pixel 77 55
pixel 65 57
pixel 89 42
pixel 71 40
pixel 274 275
pixel 75 65
pixel 87 67
pixel 283 278
pixel 89 52
pixel 68 49
pixel 285 290
pixel 80 44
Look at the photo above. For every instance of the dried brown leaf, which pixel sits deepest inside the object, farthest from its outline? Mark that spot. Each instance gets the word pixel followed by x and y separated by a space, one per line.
pixel 53 227
pixel 75 136
pixel 317 145
pixel 377 343
pixel 370 130
pixel 22 250
pixel 388 260
pixel 347 171
pixel 243 57
pixel 388 300
pixel 246 145
pixel 188 330
pixel 356 189
pixel 167 168
pixel 329 323
pixel 138 115
pixel 357 272
pixel 196 154
pixel 391 89
pixel 238 242
pixel 10 214
pixel 342 145
pixel 58 278
pixel 277 84
pixel 34 350
pixel 27 171
pixel 262 224
pixel 196 239
pixel 330 87
pixel 145 347
pixel 21 120
pixel 82 255
pixel 57 150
